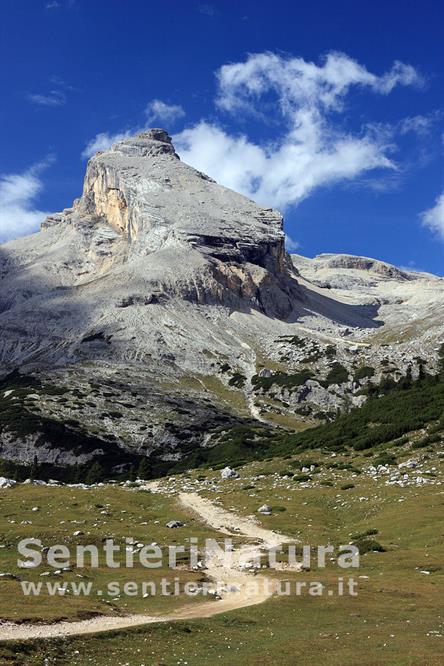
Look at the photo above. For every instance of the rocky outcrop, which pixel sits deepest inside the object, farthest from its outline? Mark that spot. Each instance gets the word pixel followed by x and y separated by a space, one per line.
pixel 350 262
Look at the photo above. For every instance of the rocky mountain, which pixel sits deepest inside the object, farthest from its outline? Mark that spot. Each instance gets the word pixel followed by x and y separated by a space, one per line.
pixel 161 311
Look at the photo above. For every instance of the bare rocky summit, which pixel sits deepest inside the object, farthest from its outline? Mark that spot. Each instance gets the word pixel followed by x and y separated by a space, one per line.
pixel 162 309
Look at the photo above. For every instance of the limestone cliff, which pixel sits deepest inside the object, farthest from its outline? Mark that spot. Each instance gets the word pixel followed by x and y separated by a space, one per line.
pixel 158 205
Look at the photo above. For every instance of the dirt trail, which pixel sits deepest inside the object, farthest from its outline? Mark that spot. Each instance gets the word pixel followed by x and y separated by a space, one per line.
pixel 238 588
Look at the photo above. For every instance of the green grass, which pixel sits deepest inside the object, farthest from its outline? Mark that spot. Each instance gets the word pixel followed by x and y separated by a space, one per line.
pixel 390 621
pixel 109 511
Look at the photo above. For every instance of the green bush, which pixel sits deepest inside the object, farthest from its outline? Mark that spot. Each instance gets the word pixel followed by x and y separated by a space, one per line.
pixel 282 379
pixel 301 478
pixel 365 372
pixel 337 375
pixel 385 459
pixel 237 380
pixel 366 545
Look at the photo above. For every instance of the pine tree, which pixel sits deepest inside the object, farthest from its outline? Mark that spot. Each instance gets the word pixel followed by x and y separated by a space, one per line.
pixel 76 474
pixel 96 474
pixel 33 472
pixel 144 470
pixel 406 382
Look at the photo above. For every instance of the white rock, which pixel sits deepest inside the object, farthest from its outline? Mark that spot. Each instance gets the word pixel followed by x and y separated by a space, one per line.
pixel 6 483
pixel 228 473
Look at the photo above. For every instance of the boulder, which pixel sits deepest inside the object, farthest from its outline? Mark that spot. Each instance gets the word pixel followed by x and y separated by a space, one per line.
pixel 229 473
pixel 6 483
pixel 173 524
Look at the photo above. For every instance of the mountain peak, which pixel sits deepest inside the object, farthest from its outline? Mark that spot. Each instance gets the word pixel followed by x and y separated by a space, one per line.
pixel 152 142
pixel 195 238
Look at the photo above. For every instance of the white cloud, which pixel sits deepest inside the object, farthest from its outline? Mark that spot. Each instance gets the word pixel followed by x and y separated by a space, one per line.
pixel 313 149
pixel 54 98
pixel 420 125
pixel 104 141
pixel 434 217
pixel 302 84
pixel 283 174
pixel 399 75
pixel 18 192
pixel 165 113
pixel 291 244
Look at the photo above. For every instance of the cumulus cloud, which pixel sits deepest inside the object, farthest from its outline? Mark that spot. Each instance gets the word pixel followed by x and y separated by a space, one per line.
pixel 104 141
pixel 282 174
pixel 433 218
pixel 18 192
pixel 54 98
pixel 165 113
pixel 301 84
pixel 313 148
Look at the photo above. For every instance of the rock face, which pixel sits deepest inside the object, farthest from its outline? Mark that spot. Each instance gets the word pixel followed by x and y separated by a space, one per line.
pixel 161 310
pixel 193 238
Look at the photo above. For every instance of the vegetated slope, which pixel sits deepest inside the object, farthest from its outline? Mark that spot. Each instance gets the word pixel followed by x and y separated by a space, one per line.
pixel 409 411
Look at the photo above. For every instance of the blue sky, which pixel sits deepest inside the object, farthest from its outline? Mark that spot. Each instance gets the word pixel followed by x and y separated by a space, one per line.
pixel 332 112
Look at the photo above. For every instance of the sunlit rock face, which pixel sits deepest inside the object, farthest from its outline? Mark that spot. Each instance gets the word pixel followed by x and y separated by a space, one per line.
pixel 159 206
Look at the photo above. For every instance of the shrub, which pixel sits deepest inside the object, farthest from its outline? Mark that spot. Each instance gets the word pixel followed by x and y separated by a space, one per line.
pixel 385 459
pixel 96 474
pixel 301 478
pixel 367 533
pixel 237 380
pixel 337 375
pixel 365 372
pixel 366 545
pixel 282 379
